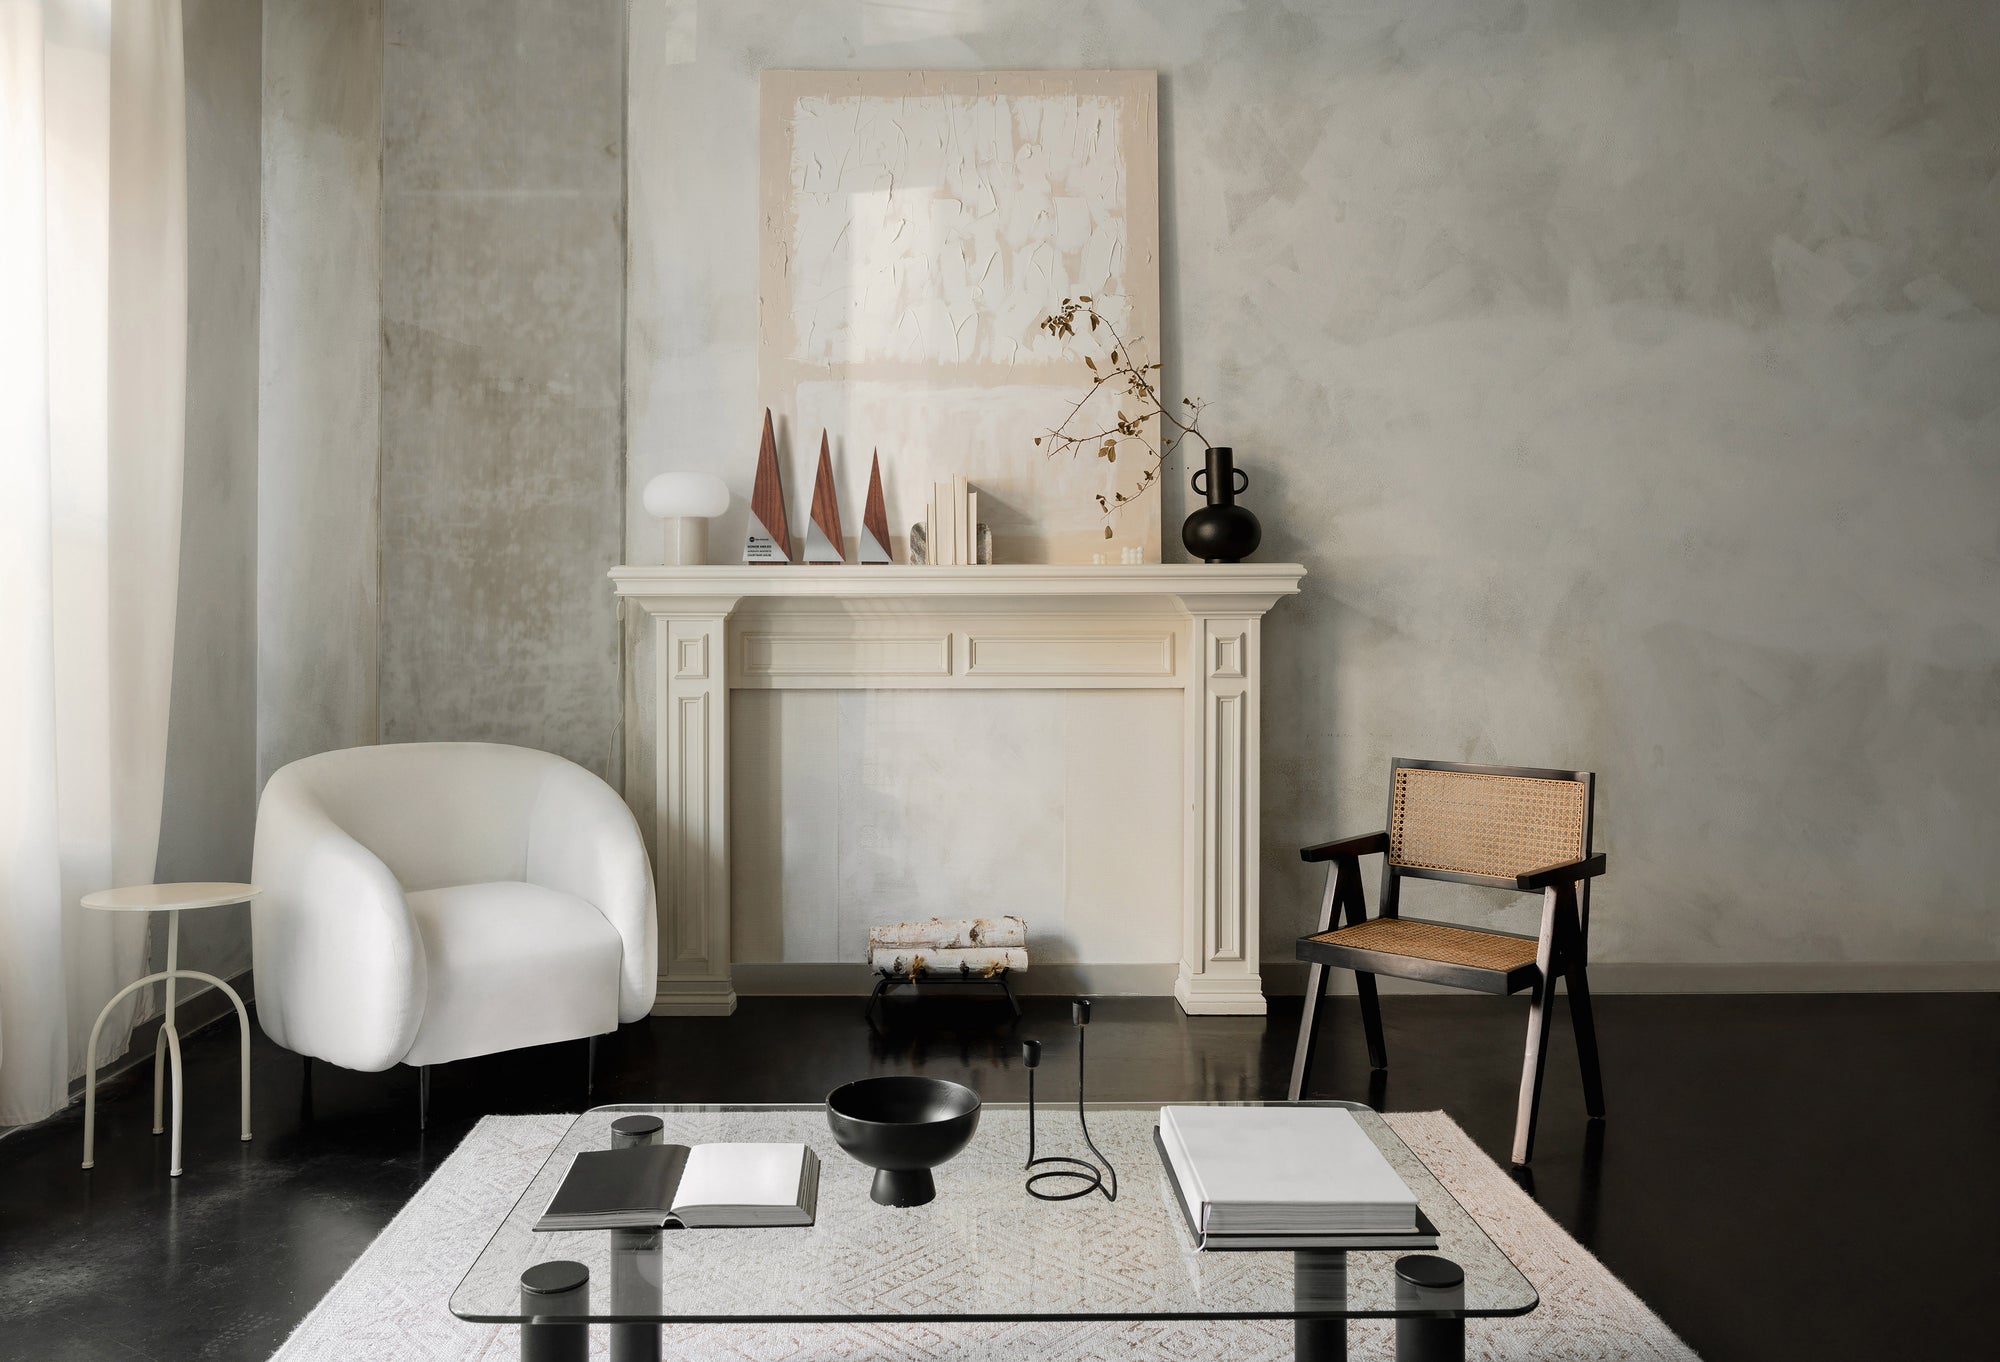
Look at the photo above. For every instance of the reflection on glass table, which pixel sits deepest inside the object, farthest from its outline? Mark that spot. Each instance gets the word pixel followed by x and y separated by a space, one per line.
pixel 984 1250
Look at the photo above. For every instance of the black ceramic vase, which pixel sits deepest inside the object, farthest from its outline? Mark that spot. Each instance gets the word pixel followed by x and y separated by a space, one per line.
pixel 1222 531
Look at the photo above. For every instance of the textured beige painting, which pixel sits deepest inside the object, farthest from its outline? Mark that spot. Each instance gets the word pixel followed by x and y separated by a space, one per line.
pixel 916 228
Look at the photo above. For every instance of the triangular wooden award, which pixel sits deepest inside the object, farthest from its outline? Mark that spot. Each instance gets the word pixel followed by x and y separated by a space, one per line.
pixel 770 538
pixel 874 546
pixel 823 541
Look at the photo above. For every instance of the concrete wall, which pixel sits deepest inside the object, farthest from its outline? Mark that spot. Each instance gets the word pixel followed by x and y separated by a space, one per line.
pixel 503 286
pixel 211 785
pixel 1623 374
pixel 319 379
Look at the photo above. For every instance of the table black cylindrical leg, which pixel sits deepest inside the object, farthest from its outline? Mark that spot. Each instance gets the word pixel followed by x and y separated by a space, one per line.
pixel 551 1293
pixel 635 1290
pixel 1427 1282
pixel 635 1262
pixel 1319 1282
pixel 627 1131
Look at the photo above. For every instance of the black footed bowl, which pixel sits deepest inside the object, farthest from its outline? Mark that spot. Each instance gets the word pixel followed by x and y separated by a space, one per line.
pixel 902 1126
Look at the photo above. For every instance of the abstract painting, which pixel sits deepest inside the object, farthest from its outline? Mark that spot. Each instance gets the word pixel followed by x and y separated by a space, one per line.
pixel 916 228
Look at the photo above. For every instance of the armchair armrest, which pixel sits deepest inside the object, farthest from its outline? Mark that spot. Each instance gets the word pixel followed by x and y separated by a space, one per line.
pixel 1365 845
pixel 341 973
pixel 583 840
pixel 1557 874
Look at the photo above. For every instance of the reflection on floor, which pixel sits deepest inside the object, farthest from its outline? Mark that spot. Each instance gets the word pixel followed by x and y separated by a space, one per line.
pixel 1780 1176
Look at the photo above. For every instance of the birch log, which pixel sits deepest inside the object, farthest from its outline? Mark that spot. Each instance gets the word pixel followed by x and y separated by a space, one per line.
pixel 951 933
pixel 975 962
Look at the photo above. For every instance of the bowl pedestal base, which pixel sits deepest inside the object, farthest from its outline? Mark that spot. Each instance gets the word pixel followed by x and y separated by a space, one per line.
pixel 903 1187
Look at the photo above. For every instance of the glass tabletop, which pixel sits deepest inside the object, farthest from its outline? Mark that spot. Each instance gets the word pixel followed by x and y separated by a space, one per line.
pixel 984 1250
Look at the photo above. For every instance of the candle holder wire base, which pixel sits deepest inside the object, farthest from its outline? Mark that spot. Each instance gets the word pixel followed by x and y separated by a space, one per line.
pixel 1091 1177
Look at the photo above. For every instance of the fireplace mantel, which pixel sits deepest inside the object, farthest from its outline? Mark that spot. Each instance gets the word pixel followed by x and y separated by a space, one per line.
pixel 1190 627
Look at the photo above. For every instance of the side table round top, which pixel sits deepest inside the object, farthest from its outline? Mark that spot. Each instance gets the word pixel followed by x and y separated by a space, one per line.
pixel 160 898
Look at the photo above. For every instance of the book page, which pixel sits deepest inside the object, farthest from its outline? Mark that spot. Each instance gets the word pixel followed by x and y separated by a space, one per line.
pixel 742 1175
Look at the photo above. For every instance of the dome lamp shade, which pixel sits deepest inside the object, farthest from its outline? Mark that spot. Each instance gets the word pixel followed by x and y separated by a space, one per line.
pixel 685 503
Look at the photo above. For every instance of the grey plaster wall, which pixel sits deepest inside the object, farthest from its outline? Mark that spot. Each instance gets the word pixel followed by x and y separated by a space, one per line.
pixel 501 351
pixel 211 789
pixel 319 379
pixel 1623 374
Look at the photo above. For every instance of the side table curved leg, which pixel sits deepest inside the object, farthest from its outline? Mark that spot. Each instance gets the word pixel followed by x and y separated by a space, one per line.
pixel 90 1067
pixel 242 1035
pixel 174 1062
pixel 159 1076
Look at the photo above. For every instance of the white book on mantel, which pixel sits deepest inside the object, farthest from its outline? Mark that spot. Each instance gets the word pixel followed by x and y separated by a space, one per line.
pixel 1283 1171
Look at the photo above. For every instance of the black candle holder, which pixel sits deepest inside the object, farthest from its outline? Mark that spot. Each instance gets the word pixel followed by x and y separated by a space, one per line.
pixel 1091 1176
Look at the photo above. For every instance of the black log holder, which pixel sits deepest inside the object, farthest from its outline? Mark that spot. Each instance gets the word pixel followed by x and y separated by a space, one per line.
pixel 885 982
pixel 1088 1176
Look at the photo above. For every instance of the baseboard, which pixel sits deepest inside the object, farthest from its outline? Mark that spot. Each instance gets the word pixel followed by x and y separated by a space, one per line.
pixel 1622 976
pixel 1288 978
pixel 790 979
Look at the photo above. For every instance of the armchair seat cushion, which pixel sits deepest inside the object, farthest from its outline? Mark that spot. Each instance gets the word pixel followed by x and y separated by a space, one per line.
pixel 511 964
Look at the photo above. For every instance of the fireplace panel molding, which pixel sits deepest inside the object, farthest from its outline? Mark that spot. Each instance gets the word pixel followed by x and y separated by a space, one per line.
pixel 1195 628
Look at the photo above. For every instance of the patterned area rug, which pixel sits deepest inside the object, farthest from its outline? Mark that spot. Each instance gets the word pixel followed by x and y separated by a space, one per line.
pixel 391 1303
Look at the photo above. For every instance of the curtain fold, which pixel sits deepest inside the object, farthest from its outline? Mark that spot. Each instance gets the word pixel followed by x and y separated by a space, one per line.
pixel 93 335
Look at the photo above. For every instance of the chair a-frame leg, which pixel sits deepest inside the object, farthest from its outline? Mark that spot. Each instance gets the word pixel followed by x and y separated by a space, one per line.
pixel 1371 1019
pixel 1302 1054
pixel 1536 1060
pixel 1552 959
pixel 1585 1026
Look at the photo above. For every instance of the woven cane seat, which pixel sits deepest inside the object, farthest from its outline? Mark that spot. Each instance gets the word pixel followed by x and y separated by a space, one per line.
pixel 1435 941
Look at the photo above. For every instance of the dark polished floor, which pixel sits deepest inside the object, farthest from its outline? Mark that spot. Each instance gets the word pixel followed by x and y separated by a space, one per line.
pixel 1781 1177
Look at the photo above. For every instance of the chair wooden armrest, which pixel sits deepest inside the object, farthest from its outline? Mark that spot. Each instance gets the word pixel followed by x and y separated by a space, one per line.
pixel 1366 844
pixel 1568 870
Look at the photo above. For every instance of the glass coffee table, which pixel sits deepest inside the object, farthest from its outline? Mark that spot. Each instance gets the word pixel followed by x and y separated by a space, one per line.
pixel 983 1251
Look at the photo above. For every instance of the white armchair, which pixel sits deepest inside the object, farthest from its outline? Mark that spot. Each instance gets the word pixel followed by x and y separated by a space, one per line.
pixel 426 902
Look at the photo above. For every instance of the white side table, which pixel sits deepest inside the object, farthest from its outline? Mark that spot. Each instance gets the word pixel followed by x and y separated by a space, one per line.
pixel 169 899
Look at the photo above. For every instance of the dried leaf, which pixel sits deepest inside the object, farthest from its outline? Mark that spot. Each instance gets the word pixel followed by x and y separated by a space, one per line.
pixel 1107 531
pixel 1038 439
pixel 1090 363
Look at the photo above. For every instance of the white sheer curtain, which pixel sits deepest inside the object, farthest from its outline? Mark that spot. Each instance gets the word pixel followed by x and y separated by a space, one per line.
pixel 93 337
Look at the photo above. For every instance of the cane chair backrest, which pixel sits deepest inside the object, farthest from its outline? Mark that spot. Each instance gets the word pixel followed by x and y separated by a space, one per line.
pixel 1485 824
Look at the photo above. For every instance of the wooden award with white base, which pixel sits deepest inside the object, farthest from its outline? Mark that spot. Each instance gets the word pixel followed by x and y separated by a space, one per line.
pixel 769 539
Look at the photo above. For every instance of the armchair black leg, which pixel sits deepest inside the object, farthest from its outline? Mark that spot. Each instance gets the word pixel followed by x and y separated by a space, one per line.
pixel 1371 1020
pixel 1302 1054
pixel 590 1066
pixel 1586 1042
pixel 1539 1011
pixel 423 1096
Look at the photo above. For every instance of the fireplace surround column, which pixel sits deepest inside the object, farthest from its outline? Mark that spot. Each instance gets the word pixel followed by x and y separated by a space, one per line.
pixel 691 790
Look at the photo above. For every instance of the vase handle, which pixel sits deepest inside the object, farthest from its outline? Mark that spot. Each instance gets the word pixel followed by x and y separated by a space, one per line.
pixel 1196 480
pixel 1237 486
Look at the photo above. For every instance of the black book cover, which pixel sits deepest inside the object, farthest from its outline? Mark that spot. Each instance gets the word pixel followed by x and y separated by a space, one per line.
pixel 618 1189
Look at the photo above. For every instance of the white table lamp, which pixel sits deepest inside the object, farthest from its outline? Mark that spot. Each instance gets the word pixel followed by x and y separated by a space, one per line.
pixel 685 503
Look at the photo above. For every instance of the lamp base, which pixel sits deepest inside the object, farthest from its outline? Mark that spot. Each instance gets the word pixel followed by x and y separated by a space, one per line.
pixel 686 540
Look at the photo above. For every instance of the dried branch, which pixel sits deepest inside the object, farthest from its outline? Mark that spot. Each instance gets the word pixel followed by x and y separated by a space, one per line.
pixel 1133 374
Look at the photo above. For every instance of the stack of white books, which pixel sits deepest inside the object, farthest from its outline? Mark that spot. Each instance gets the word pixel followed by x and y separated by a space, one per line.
pixel 951 525
pixel 1284 1177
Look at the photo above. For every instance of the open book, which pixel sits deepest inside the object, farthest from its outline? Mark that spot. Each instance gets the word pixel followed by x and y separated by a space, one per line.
pixel 704 1186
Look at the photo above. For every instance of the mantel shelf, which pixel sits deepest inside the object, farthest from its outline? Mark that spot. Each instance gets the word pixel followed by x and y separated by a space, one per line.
pixel 1231 583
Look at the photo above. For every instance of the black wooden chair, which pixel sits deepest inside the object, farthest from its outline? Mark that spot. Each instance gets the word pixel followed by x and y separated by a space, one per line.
pixel 1506 827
